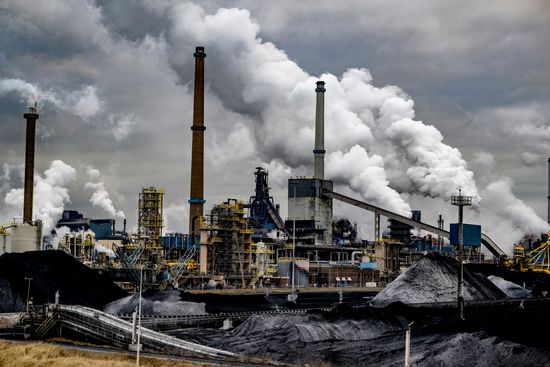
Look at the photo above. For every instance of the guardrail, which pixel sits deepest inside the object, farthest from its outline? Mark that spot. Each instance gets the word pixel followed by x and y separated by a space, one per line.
pixel 160 322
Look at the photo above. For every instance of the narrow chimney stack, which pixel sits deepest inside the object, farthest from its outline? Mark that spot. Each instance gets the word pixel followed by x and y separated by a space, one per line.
pixel 548 197
pixel 196 200
pixel 31 116
pixel 319 151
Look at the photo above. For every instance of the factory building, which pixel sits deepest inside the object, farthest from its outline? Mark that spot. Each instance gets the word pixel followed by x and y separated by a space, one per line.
pixel 104 229
pixel 309 211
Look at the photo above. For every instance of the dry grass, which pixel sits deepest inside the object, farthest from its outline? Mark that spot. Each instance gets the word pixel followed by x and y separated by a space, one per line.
pixel 47 355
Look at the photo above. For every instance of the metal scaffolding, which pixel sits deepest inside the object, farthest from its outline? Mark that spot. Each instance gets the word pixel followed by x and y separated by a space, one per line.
pixel 150 219
pixel 229 240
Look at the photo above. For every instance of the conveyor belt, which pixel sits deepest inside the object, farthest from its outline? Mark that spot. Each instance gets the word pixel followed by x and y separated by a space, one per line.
pixel 487 242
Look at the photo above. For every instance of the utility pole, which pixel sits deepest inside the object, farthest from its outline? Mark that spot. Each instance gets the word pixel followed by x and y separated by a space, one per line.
pixel 408 345
pixel 28 292
pixel 292 297
pixel 440 226
pixel 139 315
pixel 461 201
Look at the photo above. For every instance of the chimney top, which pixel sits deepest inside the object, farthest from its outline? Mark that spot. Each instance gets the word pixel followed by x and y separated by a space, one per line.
pixel 320 87
pixel 199 52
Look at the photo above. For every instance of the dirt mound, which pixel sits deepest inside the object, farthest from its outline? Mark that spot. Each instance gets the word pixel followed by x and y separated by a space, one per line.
pixel 435 279
pixel 52 271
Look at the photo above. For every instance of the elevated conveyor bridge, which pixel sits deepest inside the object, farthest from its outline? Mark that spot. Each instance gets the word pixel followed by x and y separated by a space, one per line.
pixel 117 332
pixel 485 240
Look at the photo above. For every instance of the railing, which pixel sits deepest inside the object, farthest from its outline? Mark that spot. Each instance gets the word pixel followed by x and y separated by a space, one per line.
pixel 46 326
pixel 218 316
pixel 116 331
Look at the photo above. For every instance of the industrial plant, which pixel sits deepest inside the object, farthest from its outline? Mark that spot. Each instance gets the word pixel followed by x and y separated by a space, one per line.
pixel 244 262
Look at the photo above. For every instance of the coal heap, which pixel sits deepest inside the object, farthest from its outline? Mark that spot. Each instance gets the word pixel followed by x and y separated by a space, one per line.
pixel 52 271
pixel 435 279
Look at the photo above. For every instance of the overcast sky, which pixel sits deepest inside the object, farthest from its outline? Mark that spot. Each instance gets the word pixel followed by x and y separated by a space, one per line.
pixel 422 97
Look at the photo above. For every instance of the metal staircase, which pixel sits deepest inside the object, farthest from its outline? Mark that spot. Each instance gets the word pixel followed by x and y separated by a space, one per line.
pixel 46 325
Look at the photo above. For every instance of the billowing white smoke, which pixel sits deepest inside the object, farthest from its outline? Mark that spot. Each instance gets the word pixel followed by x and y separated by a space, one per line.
pixel 50 194
pixel 376 147
pixel 365 175
pixel 83 103
pixel 501 213
pixel 58 236
pixel 525 126
pixel 100 196
pixel 363 122
pixel 100 248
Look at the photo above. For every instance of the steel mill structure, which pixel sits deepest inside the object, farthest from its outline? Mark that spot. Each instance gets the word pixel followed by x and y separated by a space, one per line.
pixel 250 243
pixel 150 215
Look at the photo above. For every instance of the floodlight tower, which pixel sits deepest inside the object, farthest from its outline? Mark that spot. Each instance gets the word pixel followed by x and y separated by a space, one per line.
pixel 461 201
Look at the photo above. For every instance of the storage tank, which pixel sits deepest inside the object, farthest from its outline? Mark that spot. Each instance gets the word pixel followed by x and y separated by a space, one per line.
pixel 5 242
pixel 26 237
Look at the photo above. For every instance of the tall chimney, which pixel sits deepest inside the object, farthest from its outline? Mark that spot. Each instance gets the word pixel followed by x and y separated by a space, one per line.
pixel 548 191
pixel 31 118
pixel 319 151
pixel 196 201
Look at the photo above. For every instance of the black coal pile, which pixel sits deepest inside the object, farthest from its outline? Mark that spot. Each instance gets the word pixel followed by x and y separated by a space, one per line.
pixel 435 279
pixel 375 337
pixel 52 271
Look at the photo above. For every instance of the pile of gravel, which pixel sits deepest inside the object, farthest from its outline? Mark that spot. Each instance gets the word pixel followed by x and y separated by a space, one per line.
pixel 435 279
pixel 512 290
pixel 52 271
pixel 156 303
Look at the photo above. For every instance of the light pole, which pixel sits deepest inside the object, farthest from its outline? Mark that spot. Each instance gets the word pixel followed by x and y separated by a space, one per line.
pixel 461 201
pixel 28 291
pixel 139 316
pixel 292 297
pixel 408 345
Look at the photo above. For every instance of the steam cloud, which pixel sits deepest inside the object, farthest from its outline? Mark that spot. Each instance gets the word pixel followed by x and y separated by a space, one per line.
pixel 376 146
pixel 100 196
pixel 83 103
pixel 50 194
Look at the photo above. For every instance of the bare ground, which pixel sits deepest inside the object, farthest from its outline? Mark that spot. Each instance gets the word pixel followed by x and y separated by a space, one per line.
pixel 47 355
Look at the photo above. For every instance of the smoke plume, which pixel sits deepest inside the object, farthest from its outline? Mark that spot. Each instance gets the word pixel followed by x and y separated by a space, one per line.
pixel 83 103
pixel 363 122
pixel 50 194
pixel 100 196
pixel 375 145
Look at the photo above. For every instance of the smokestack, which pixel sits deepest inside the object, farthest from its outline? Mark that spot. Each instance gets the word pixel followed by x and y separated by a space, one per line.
pixel 31 118
pixel 196 201
pixel 548 218
pixel 319 151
